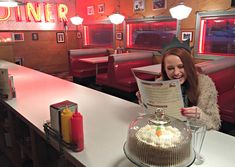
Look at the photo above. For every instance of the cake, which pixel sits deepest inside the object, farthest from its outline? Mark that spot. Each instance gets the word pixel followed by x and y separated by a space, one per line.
pixel 160 145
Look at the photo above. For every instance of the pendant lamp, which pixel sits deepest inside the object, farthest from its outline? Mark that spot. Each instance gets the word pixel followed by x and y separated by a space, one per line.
pixel 180 11
pixel 117 18
pixel 9 3
pixel 76 20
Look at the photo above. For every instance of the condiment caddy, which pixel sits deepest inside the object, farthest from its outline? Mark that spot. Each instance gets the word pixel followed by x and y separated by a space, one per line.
pixel 65 126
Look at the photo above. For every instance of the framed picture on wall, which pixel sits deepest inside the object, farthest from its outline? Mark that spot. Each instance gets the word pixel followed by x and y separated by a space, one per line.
pixel 90 10
pixel 119 35
pixel 187 35
pixel 35 36
pixel 17 37
pixel 101 8
pixel 19 60
pixel 159 4
pixel 79 34
pixel 60 37
pixel 139 5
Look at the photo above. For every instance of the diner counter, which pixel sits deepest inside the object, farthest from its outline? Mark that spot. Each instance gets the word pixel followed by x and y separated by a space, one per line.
pixel 106 119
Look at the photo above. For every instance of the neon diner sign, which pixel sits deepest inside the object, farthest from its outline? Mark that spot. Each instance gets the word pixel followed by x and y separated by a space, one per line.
pixel 36 12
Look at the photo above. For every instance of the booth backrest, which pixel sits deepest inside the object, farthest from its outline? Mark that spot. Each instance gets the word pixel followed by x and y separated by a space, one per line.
pixel 127 57
pixel 121 64
pixel 222 72
pixel 224 79
pixel 209 67
pixel 80 52
pixel 80 69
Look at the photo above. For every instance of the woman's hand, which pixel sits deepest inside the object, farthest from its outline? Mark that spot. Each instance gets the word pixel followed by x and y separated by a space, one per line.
pixel 191 112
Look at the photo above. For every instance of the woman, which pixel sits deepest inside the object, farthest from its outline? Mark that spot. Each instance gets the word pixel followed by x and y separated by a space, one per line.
pixel 198 90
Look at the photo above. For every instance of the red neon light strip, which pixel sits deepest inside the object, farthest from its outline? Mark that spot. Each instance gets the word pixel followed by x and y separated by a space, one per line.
pixel 201 39
pixel 88 37
pixel 204 37
pixel 85 35
pixel 128 35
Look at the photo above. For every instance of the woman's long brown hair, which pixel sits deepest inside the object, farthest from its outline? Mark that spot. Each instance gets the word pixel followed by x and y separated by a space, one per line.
pixel 191 83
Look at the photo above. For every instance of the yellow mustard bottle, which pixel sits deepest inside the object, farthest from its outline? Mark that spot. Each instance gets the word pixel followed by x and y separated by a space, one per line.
pixel 66 124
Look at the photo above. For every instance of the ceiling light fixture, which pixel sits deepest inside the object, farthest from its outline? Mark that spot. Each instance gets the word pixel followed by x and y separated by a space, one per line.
pixel 117 18
pixel 180 11
pixel 76 20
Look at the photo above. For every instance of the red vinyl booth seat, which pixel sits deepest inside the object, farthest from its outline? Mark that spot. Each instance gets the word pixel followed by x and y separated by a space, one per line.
pixel 119 75
pixel 222 72
pixel 80 69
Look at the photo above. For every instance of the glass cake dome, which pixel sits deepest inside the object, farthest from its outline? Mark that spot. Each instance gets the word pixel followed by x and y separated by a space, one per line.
pixel 158 140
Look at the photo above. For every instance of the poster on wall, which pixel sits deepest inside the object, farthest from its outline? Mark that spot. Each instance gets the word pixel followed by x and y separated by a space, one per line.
pixel 159 4
pixel 119 35
pixel 187 35
pixel 35 36
pixel 90 10
pixel 79 34
pixel 60 38
pixel 139 5
pixel 18 37
pixel 101 8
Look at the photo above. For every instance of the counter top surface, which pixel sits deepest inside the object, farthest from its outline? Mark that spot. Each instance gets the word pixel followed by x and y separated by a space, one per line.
pixel 106 119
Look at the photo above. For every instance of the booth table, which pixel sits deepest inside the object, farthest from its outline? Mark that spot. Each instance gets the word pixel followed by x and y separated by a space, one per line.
pixel 96 61
pixel 106 119
pixel 151 69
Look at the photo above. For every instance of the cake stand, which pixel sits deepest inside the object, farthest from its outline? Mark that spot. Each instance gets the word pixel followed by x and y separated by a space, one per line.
pixel 142 164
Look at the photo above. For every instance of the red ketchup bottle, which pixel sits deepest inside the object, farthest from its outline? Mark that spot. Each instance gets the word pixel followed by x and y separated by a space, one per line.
pixel 77 131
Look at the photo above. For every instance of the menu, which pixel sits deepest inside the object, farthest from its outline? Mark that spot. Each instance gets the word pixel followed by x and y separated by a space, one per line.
pixel 165 95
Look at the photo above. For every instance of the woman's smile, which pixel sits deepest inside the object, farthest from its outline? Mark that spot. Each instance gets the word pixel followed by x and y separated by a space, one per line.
pixel 174 68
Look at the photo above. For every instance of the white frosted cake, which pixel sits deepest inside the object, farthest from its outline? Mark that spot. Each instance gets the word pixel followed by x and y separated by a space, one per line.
pixel 159 145
pixel 162 136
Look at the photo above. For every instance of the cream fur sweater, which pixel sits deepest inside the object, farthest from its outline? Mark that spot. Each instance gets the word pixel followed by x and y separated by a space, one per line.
pixel 207 102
